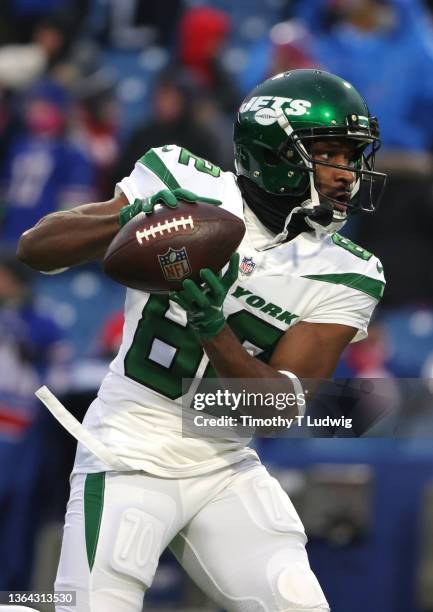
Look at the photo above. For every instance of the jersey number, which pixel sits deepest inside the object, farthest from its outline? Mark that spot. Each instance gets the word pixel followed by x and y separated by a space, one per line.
pixel 350 246
pixel 164 352
pixel 202 165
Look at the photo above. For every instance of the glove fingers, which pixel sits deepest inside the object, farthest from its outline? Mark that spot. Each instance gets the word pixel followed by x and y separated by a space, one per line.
pixel 232 273
pixel 189 196
pixel 147 205
pixel 179 298
pixel 129 211
pixel 168 198
pixel 185 194
pixel 213 282
pixel 210 201
pixel 165 196
pixel 195 294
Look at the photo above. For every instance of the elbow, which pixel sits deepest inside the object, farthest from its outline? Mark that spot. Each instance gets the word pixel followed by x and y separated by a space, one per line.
pixel 30 252
pixel 26 251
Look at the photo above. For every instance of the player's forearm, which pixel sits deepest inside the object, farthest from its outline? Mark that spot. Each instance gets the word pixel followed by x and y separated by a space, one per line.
pixel 69 238
pixel 231 360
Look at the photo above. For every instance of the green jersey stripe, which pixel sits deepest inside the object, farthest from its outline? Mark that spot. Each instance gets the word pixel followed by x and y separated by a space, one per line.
pixel 368 285
pixel 93 506
pixel 154 163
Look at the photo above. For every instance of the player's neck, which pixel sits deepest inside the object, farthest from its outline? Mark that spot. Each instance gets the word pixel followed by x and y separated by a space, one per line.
pixel 272 211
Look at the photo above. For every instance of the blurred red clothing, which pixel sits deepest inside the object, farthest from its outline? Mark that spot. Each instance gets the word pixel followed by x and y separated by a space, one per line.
pixel 202 32
pixel 111 334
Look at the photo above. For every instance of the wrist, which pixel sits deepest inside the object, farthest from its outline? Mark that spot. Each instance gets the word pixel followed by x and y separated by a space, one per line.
pixel 207 329
pixel 129 211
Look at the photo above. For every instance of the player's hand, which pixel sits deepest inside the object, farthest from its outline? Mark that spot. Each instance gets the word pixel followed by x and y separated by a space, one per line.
pixel 165 197
pixel 204 304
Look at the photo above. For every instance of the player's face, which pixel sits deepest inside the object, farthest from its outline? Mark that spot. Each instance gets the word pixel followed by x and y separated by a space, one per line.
pixel 336 183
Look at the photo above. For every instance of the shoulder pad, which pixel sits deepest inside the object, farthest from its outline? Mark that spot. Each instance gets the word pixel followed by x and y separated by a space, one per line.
pixel 178 167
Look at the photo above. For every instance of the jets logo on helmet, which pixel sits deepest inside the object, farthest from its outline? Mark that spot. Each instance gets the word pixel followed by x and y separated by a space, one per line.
pixel 276 128
pixel 266 108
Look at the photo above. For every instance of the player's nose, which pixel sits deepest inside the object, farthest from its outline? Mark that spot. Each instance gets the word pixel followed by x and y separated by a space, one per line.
pixel 343 174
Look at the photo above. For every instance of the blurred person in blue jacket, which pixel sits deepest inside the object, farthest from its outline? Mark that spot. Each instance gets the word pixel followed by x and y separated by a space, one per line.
pixel 32 349
pixel 42 171
pixel 384 48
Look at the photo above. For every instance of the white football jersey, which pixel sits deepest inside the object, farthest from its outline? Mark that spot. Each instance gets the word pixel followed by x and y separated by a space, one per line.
pixel 320 279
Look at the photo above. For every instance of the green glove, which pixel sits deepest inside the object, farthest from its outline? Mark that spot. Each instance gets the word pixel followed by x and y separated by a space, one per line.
pixel 166 197
pixel 204 305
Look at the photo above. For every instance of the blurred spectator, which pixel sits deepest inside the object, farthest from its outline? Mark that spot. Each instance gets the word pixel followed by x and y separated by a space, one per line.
pixel 382 48
pixel 31 349
pixel 133 24
pixel 400 232
pixel 404 218
pixel 367 359
pixel 28 335
pixel 202 33
pixel 95 126
pixel 173 121
pixel 23 64
pixel 8 125
pixel 43 171
pixel 20 18
pixel 111 335
pixel 290 47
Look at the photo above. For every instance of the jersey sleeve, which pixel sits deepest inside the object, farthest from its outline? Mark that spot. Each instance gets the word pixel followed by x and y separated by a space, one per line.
pixel 345 307
pixel 171 167
pixel 141 183
pixel 349 298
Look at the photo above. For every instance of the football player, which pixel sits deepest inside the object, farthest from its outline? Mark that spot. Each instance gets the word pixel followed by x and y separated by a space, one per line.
pixel 304 151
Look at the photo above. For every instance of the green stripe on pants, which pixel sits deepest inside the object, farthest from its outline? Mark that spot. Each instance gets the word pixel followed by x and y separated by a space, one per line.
pixel 93 506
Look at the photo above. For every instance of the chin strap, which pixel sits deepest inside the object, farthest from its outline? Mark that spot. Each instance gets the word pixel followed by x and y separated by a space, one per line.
pixel 318 215
pixel 321 214
pixel 321 219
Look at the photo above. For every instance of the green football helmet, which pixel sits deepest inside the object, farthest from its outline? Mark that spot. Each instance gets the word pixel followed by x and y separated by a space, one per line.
pixel 276 126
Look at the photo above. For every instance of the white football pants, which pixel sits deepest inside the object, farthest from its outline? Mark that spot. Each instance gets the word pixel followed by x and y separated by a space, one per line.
pixel 234 531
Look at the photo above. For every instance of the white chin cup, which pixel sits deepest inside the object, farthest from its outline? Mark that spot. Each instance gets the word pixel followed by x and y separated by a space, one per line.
pixel 339 219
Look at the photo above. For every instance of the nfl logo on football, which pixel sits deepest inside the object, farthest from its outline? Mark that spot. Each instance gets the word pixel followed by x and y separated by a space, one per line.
pixel 175 264
pixel 247 265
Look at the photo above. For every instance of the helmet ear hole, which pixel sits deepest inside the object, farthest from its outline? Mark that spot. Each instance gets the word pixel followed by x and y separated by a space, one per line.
pixel 271 158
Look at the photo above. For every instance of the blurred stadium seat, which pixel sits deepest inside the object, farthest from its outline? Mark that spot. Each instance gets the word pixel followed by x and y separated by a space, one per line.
pixel 80 300
pixel 410 333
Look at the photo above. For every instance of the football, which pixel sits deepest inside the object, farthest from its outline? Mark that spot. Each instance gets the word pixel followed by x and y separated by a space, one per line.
pixel 158 251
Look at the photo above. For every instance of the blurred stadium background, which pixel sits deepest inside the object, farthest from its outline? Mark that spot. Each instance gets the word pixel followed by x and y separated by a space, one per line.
pixel 86 87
